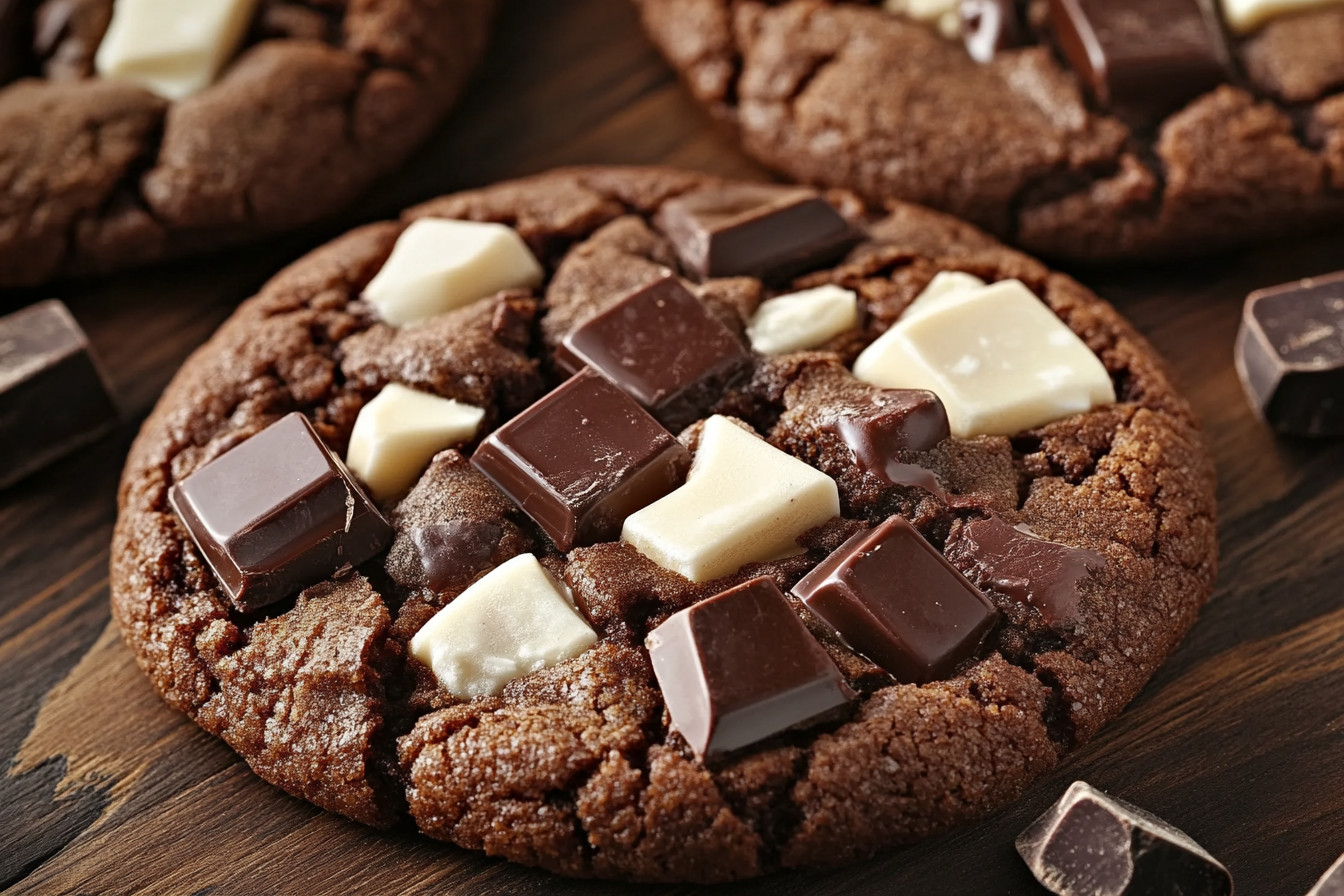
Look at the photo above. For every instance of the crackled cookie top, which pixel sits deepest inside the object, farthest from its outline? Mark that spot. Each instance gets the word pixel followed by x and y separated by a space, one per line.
pixel 605 588
pixel 145 129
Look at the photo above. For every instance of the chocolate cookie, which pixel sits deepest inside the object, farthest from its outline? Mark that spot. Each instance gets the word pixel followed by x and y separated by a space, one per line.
pixel 1081 129
pixel 825 617
pixel 116 152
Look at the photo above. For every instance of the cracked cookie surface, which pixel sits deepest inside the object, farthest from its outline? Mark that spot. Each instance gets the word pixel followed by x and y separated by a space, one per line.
pixel 845 94
pixel 324 98
pixel 574 768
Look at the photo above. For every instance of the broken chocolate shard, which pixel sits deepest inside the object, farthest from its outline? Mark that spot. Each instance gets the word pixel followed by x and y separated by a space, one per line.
pixel 1023 567
pixel 1290 355
pixel 53 397
pixel 740 667
pixel 755 230
pixel 277 513
pixel 989 27
pixel 892 421
pixel 662 346
pixel 1332 882
pixel 896 600
pixel 1090 843
pixel 453 553
pixel 1141 58
pixel 582 459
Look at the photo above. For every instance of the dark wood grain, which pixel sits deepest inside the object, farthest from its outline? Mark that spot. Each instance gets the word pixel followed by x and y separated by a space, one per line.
pixel 1239 739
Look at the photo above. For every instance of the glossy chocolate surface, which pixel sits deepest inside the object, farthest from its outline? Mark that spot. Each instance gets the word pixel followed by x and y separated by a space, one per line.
pixel 53 397
pixel 663 347
pixel 1142 58
pixel 278 513
pixel 894 420
pixel 1019 565
pixel 454 552
pixel 740 667
pixel 1290 355
pixel 582 459
pixel 893 597
pixel 756 230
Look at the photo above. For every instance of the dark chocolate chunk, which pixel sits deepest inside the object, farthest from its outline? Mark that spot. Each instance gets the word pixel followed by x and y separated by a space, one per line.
pixel 53 397
pixel 455 552
pixel 1090 843
pixel 756 230
pixel 1290 355
pixel 893 597
pixel 1142 58
pixel 661 345
pixel 582 459
pixel 278 513
pixel 989 26
pixel 740 667
pixel 893 420
pixel 1022 566
pixel 1332 882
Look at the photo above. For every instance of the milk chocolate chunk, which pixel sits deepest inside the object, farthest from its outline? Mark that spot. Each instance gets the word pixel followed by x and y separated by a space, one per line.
pixel 1022 566
pixel 755 230
pixel 582 459
pixel 893 420
pixel 990 26
pixel 278 513
pixel 740 667
pixel 1142 58
pixel 1090 843
pixel 893 597
pixel 53 399
pixel 1290 355
pixel 1332 882
pixel 663 347
pixel 452 553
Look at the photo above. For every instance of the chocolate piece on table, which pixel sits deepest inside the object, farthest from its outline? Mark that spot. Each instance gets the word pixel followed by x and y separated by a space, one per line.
pixel 893 420
pixel 1332 882
pixel 740 667
pixel 452 553
pixel 989 26
pixel 1090 843
pixel 53 398
pixel 582 459
pixel 1145 58
pixel 661 345
pixel 758 230
pixel 1290 355
pixel 1022 566
pixel 893 597
pixel 277 513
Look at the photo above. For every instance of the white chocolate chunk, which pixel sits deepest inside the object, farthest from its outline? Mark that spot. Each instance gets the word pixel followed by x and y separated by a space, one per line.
pixel 515 620
pixel 999 359
pixel 743 501
pixel 1245 16
pixel 173 48
pixel 944 15
pixel 945 285
pixel 803 320
pixel 397 433
pixel 438 265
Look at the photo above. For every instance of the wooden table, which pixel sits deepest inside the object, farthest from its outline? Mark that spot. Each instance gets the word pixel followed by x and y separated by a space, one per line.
pixel 1239 739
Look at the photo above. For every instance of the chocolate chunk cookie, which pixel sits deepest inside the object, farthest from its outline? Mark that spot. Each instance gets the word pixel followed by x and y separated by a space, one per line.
pixel 1078 129
pixel 313 102
pixel 680 694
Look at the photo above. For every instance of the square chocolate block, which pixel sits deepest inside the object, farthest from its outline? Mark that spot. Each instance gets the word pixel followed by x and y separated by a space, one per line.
pixel 53 398
pixel 1143 58
pixel 740 667
pixel 1290 355
pixel 277 514
pixel 756 230
pixel 661 345
pixel 893 597
pixel 582 459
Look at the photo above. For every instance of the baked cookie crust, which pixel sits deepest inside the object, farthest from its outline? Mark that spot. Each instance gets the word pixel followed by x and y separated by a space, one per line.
pixel 573 768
